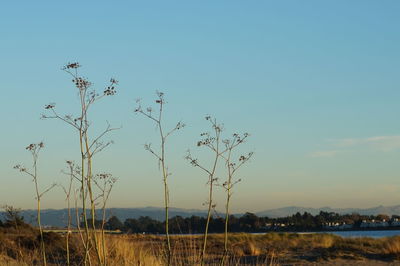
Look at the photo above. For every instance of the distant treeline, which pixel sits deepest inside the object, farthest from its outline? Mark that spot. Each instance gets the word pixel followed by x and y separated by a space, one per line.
pixel 249 222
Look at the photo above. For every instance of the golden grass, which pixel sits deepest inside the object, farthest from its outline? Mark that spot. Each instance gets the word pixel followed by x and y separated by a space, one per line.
pixel 392 246
pixel 123 251
pixel 265 249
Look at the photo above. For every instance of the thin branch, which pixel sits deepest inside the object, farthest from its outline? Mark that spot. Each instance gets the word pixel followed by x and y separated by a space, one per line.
pixel 48 189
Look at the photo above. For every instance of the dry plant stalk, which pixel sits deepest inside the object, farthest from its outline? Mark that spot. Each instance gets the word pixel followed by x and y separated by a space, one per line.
pixel 35 149
pixel 213 142
pixel 160 156
pixel 88 148
pixel 78 227
pixel 67 190
pixel 104 183
pixel 232 166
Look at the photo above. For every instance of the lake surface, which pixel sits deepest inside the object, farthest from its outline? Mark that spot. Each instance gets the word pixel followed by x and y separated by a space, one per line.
pixel 354 234
pixel 373 234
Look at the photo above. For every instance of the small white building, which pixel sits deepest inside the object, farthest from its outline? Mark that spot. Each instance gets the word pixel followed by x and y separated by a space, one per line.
pixel 337 226
pixel 374 224
pixel 395 222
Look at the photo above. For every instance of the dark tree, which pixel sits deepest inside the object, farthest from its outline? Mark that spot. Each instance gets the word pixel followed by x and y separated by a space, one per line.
pixel 114 224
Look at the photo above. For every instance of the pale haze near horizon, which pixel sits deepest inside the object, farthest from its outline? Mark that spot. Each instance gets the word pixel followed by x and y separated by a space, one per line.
pixel 316 84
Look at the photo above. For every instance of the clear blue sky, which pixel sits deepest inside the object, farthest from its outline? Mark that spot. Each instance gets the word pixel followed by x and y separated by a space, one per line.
pixel 316 83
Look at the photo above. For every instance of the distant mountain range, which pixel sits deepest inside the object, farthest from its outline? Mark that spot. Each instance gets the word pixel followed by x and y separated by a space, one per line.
pixel 58 218
pixel 286 211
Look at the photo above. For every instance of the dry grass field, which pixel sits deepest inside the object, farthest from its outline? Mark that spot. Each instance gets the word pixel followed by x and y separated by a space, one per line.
pixel 21 246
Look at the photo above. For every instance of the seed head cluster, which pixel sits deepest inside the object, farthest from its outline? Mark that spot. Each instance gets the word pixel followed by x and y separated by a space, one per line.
pixel 74 65
pixel 81 83
pixel 110 90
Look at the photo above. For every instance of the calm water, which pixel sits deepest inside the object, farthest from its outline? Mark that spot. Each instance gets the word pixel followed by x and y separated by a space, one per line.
pixel 373 234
